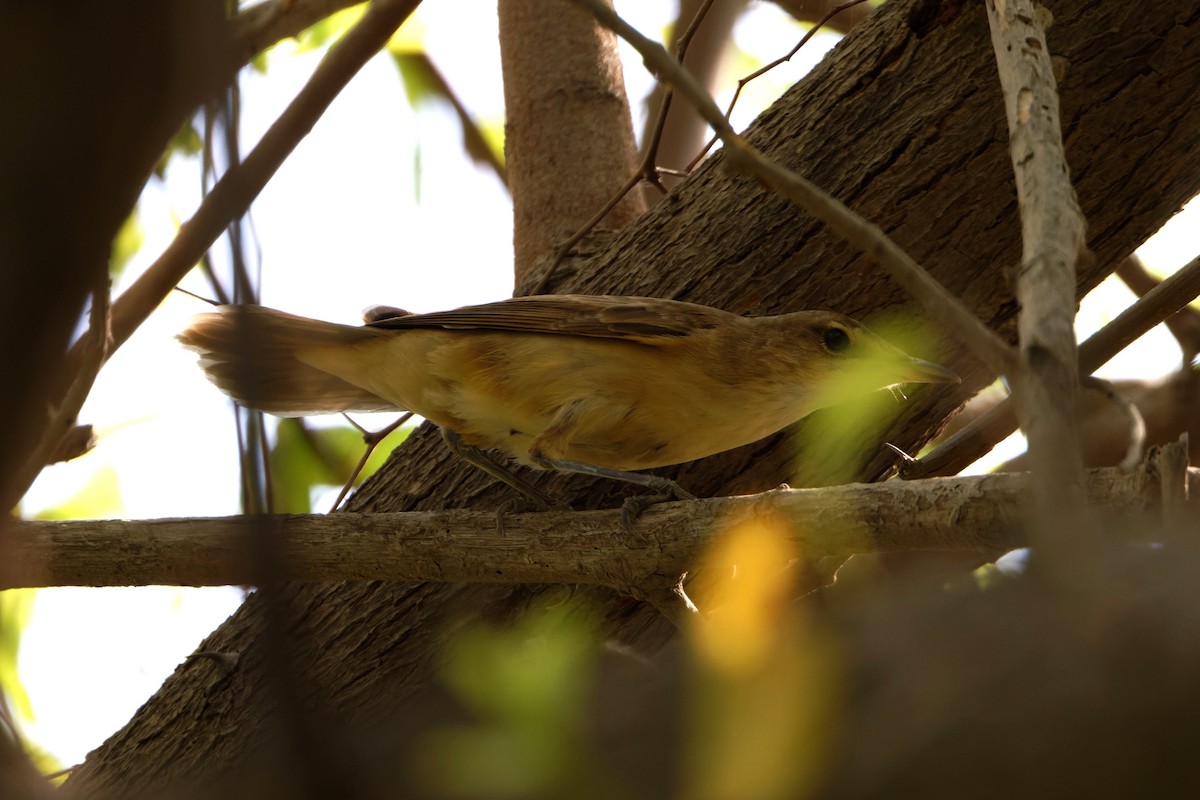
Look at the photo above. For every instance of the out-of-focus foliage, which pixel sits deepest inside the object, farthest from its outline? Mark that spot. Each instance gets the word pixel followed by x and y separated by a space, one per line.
pixel 829 442
pixel 330 28
pixel 100 498
pixel 305 458
pixel 765 700
pixel 186 143
pixel 528 687
pixel 758 715
pixel 16 606
pixel 424 83
pixel 125 246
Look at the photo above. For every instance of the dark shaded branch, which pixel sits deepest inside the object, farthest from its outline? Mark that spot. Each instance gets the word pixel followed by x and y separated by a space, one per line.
pixel 980 513
pixel 977 438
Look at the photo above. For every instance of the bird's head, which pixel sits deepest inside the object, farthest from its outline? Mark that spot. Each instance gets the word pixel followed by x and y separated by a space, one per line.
pixel 840 360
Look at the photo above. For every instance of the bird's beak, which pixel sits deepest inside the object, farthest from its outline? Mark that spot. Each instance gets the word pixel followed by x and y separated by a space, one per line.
pixel 920 371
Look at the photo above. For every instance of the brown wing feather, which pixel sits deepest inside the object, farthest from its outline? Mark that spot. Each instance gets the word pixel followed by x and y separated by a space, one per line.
pixel 601 316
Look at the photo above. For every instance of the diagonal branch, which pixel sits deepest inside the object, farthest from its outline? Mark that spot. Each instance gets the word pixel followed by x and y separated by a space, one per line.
pixel 977 438
pixel 938 303
pixel 266 24
pixel 232 195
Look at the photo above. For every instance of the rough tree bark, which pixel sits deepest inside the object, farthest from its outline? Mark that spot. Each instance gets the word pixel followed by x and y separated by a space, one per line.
pixel 904 122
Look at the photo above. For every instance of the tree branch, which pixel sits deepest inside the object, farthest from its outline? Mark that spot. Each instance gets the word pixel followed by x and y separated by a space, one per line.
pixel 1052 233
pixel 585 547
pixel 233 194
pixel 266 24
pixel 977 438
pixel 939 303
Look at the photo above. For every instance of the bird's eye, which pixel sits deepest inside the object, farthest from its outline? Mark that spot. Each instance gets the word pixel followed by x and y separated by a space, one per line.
pixel 836 340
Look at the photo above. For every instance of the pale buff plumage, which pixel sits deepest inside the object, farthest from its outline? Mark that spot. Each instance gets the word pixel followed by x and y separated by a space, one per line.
pixel 620 383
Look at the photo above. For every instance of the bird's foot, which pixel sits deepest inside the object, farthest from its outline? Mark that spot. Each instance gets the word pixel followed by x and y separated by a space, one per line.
pixel 633 507
pixel 526 503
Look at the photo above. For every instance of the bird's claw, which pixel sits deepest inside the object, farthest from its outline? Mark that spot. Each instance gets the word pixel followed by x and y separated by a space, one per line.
pixel 527 504
pixel 633 507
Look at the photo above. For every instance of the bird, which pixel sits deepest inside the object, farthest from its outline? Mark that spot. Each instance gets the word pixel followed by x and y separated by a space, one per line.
pixel 607 386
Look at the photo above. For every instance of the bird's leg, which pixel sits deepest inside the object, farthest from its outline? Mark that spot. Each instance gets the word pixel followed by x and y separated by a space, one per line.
pixel 665 489
pixel 480 458
pixel 553 440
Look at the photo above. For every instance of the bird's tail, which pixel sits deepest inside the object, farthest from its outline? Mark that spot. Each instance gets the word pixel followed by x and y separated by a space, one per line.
pixel 256 356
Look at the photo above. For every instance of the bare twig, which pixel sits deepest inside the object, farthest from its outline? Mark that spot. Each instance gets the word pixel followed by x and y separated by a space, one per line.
pixel 977 438
pixel 939 303
pixel 1184 324
pixel 980 513
pixel 228 200
pixel 758 73
pixel 1133 417
pixel 371 439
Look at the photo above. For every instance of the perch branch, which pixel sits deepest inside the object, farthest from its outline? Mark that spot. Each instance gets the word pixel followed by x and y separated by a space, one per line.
pixel 978 513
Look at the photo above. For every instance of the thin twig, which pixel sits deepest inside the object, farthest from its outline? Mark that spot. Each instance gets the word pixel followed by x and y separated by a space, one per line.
pixel 981 435
pixel 371 439
pixel 1133 418
pixel 1184 325
pixel 939 303
pixel 232 195
pixel 758 73
pixel 229 199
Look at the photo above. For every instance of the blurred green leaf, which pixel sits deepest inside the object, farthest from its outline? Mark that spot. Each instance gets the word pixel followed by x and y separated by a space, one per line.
pixel 259 62
pixel 528 686
pixel 16 607
pixel 187 142
pixel 100 498
pixel 129 240
pixel 330 28
pixel 424 84
pixel 537 670
pixel 304 458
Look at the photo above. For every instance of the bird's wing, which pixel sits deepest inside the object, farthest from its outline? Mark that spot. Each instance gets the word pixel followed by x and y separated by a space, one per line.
pixel 631 318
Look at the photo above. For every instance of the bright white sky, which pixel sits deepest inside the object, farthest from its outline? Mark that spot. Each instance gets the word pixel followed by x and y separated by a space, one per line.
pixel 339 229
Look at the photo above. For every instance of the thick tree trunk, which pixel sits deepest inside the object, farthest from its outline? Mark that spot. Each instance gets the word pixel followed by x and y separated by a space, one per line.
pixel 568 130
pixel 904 123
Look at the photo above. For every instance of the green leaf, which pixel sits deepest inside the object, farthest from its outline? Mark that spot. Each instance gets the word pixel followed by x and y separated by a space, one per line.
pixel 304 458
pixel 330 28
pixel 16 607
pixel 128 242
pixel 187 142
pixel 425 84
pixel 100 498
pixel 528 685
